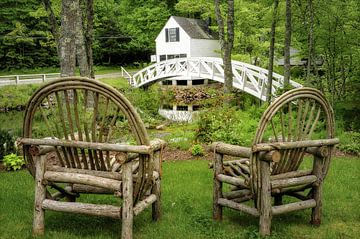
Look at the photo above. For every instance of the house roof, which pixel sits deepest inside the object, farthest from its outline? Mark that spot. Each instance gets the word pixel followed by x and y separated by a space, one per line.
pixel 196 28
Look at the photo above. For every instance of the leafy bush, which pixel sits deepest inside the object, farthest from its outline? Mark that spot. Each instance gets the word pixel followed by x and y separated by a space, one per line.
pixel 228 124
pixel 13 162
pixel 197 150
pixel 7 143
pixel 350 142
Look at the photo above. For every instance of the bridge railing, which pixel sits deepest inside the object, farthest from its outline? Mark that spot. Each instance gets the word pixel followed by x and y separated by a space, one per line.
pixel 249 78
pixel 27 79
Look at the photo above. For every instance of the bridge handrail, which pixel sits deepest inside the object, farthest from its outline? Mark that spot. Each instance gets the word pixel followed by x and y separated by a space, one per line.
pixel 249 78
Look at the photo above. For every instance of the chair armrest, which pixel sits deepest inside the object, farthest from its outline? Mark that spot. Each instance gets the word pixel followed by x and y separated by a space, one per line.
pixel 157 144
pixel 141 149
pixel 293 145
pixel 232 150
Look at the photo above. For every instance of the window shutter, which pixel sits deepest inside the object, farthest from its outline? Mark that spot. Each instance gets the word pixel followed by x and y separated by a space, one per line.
pixel 166 34
pixel 177 34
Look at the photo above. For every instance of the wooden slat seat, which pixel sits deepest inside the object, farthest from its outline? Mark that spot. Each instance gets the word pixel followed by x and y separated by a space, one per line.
pixel 297 123
pixel 86 134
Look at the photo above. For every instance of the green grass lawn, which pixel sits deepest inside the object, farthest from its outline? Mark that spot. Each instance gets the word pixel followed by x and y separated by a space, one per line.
pixel 187 205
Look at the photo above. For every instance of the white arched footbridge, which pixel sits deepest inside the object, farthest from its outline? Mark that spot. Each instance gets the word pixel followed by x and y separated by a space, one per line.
pixel 248 78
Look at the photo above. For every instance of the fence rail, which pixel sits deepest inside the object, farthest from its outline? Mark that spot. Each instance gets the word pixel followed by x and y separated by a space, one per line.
pixel 27 79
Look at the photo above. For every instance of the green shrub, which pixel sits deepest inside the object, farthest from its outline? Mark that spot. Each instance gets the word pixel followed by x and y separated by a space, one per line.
pixel 197 150
pixel 350 142
pixel 228 124
pixel 13 162
pixel 7 143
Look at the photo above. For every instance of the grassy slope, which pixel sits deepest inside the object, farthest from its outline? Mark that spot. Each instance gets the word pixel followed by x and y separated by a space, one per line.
pixel 187 200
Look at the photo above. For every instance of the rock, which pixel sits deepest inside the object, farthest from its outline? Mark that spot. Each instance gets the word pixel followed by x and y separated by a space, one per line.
pixel 160 127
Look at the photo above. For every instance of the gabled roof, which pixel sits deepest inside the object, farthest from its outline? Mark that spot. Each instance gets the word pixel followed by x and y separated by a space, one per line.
pixel 196 28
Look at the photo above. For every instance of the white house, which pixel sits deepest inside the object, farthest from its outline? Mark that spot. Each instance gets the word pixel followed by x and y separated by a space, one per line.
pixel 186 37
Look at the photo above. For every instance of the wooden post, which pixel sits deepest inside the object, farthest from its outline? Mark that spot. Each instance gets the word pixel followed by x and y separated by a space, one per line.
pixel 43 77
pixel 317 192
pixel 40 194
pixel 17 79
pixel 217 193
pixel 265 199
pixel 127 210
pixel 156 189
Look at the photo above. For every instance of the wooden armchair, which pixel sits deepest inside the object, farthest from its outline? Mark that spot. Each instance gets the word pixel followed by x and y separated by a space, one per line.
pixel 297 123
pixel 76 133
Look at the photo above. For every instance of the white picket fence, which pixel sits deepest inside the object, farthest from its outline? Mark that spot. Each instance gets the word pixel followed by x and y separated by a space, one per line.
pixel 27 79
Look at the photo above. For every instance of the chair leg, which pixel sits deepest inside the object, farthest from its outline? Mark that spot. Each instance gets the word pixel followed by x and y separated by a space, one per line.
pixel 40 194
pixel 217 190
pixel 156 189
pixel 316 211
pixel 127 209
pixel 265 199
pixel 156 206
pixel 317 192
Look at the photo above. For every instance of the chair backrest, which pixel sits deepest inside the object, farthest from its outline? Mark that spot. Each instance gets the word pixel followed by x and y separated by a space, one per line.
pixel 83 109
pixel 297 115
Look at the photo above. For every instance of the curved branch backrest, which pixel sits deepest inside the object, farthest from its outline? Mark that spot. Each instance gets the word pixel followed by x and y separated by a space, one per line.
pixel 77 108
pixel 297 115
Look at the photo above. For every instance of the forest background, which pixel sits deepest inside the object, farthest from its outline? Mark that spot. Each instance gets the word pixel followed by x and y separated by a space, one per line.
pixel 327 31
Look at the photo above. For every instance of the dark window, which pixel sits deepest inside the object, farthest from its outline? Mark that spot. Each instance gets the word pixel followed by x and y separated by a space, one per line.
pixel 198 82
pixel 162 57
pixel 196 107
pixel 181 82
pixel 167 107
pixel 167 82
pixel 182 55
pixel 182 108
pixel 172 34
pixel 169 57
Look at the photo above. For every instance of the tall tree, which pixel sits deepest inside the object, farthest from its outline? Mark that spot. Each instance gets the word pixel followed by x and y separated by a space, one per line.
pixel 287 43
pixel 75 36
pixel 226 41
pixel 272 50
pixel 310 54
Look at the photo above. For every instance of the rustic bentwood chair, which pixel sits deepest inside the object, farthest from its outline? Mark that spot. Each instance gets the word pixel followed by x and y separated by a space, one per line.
pixel 87 136
pixel 297 123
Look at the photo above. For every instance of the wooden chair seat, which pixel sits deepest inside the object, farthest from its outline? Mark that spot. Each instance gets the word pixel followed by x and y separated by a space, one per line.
pixel 85 134
pixel 299 122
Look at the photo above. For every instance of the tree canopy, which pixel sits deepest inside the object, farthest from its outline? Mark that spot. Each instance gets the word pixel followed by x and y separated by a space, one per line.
pixel 326 34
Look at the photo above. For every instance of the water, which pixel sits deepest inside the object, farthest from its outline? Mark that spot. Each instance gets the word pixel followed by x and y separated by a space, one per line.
pixel 179 112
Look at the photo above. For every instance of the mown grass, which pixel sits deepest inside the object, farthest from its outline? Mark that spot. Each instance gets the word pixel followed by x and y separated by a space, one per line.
pixel 187 205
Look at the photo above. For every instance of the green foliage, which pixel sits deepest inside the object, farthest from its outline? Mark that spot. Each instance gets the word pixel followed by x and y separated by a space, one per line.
pixel 16 96
pixel 146 102
pixel 228 124
pixel 13 162
pixel 7 143
pixel 197 150
pixel 180 138
pixel 350 142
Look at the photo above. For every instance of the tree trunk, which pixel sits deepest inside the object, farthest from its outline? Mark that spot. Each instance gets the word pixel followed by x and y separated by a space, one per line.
pixel 89 36
pixel 226 42
pixel 287 44
pixel 52 21
pixel 81 53
pixel 271 51
pixel 310 40
pixel 74 41
pixel 67 46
